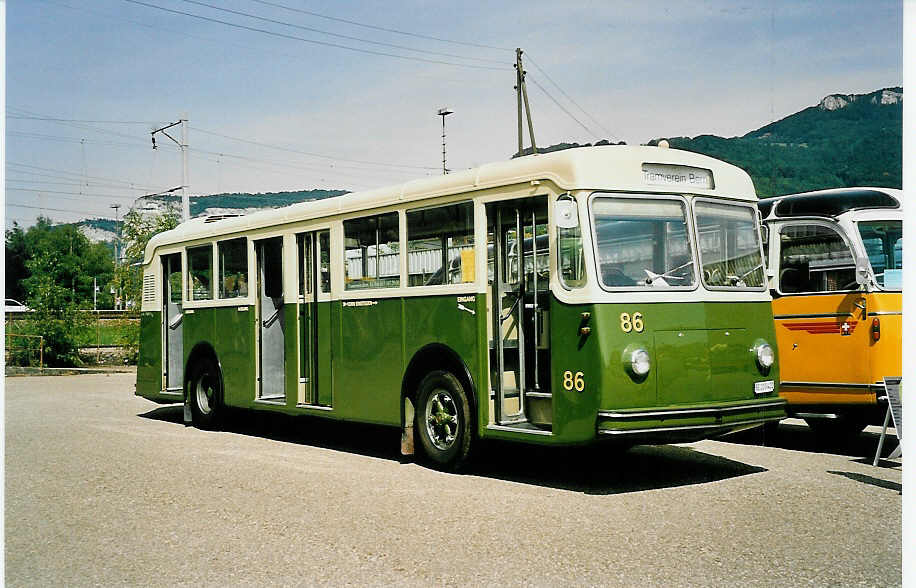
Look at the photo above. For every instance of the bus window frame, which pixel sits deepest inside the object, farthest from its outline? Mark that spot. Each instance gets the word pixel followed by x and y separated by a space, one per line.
pixel 186 269
pixel 756 221
pixel 218 269
pixel 861 243
pixel 691 245
pixel 405 281
pixel 811 221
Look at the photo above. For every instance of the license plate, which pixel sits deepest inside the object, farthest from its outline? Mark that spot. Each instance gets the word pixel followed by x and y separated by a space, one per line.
pixel 764 387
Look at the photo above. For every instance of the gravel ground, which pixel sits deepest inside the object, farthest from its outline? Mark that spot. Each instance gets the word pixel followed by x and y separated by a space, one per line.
pixel 106 488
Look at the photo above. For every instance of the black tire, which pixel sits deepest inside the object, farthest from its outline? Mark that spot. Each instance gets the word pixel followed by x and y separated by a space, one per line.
pixel 844 427
pixel 443 420
pixel 205 392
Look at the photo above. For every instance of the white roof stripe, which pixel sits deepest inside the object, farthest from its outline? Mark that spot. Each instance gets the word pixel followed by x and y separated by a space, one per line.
pixel 612 167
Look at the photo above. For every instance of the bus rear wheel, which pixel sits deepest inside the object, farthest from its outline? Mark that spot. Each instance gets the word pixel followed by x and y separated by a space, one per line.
pixel 443 420
pixel 205 391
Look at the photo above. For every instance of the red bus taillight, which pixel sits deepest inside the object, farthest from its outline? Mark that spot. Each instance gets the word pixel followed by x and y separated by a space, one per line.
pixel 875 329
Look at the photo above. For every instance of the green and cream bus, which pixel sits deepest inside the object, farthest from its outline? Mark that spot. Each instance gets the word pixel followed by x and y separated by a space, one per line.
pixel 603 293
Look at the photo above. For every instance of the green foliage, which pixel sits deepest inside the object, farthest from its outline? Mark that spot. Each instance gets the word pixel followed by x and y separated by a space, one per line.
pixel 56 316
pixel 62 254
pixel 860 144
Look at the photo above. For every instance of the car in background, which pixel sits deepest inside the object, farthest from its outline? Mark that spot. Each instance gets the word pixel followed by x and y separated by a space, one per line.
pixel 11 306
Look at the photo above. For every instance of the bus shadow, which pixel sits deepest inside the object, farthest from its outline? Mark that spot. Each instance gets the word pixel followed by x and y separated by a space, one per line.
pixel 605 470
pixel 599 470
pixel 799 437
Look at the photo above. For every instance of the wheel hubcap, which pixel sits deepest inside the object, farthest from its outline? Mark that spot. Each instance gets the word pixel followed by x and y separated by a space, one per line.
pixel 441 419
pixel 204 394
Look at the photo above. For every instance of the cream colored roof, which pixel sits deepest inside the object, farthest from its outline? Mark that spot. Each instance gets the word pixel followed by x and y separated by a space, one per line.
pixel 612 167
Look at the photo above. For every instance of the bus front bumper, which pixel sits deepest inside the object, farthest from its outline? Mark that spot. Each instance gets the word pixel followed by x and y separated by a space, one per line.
pixel 679 424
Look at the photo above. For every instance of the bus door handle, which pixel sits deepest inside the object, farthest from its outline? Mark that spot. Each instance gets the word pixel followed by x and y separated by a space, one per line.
pixel 176 320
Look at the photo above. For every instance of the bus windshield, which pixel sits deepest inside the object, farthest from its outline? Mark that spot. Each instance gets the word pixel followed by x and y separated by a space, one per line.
pixel 883 241
pixel 729 245
pixel 642 243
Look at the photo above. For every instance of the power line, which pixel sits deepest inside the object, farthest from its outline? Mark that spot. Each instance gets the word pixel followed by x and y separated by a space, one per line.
pixel 79 175
pixel 568 97
pixel 561 107
pixel 72 120
pixel 304 40
pixel 340 36
pixel 76 212
pixel 259 144
pixel 378 28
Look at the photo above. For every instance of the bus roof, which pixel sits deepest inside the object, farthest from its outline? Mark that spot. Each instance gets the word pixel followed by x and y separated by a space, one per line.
pixel 611 167
pixel 830 203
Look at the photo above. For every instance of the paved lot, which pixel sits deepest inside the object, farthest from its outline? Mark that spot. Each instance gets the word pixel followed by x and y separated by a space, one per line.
pixel 105 488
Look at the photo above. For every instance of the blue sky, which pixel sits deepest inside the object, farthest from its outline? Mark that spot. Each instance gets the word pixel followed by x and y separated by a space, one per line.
pixel 635 70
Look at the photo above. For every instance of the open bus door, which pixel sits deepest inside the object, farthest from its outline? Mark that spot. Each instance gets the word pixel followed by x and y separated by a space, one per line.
pixel 519 300
pixel 270 321
pixel 173 348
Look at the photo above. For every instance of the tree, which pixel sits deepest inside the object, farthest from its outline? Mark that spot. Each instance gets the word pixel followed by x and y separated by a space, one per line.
pixel 136 232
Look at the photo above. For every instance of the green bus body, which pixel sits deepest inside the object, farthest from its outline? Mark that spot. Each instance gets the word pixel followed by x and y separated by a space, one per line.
pixel 372 349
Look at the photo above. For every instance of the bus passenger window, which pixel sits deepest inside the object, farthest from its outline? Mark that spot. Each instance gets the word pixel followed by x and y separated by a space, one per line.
pixel 233 268
pixel 200 273
pixel 440 245
pixel 324 262
pixel 371 256
pixel 814 258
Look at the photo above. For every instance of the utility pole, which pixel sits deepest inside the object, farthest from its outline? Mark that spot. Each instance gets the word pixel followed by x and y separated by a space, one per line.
pixel 183 145
pixel 444 112
pixel 521 91
pixel 116 207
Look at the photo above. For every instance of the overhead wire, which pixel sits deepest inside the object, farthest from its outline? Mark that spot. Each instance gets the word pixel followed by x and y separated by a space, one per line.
pixel 337 35
pixel 568 97
pixel 312 41
pixel 378 28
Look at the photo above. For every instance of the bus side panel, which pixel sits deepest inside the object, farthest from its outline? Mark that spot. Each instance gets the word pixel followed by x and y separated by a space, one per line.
pixel 438 319
pixel 326 332
pixel 885 356
pixel 196 328
pixel 149 362
pixel 821 350
pixel 367 379
pixel 291 352
pixel 233 333
pixel 575 411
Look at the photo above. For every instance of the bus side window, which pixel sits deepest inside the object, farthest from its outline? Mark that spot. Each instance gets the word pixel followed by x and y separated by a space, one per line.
pixel 200 272
pixel 814 258
pixel 371 256
pixel 233 268
pixel 440 245
pixel 572 260
pixel 324 261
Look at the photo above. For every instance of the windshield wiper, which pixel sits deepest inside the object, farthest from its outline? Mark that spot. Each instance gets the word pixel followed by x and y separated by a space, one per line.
pixel 652 276
pixel 739 280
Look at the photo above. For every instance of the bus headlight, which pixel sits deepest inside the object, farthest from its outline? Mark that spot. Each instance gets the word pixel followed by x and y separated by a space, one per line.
pixel 637 362
pixel 764 355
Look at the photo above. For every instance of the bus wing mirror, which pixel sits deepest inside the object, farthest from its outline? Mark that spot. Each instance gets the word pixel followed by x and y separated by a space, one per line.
pixel 565 213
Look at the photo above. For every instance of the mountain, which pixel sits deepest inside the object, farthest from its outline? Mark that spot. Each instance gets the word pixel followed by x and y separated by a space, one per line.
pixel 845 140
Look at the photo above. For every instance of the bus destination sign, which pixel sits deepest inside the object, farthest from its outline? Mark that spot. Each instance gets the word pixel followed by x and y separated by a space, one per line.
pixel 660 174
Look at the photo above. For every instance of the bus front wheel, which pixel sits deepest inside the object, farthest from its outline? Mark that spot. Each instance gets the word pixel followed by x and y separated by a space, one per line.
pixel 443 420
pixel 205 390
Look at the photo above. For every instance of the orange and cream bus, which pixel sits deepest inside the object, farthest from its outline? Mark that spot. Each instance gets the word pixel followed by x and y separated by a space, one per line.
pixel 836 275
